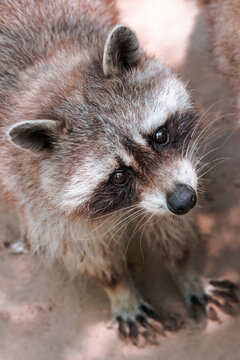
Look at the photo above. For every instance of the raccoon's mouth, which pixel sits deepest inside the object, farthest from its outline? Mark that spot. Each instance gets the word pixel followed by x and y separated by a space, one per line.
pixel 182 199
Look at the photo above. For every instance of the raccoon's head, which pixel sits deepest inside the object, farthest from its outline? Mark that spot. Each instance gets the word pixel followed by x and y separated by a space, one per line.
pixel 121 135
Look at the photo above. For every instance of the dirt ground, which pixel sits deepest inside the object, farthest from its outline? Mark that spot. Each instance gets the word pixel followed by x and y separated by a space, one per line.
pixel 46 316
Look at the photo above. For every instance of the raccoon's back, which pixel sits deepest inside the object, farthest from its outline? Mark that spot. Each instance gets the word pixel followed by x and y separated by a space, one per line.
pixel 31 29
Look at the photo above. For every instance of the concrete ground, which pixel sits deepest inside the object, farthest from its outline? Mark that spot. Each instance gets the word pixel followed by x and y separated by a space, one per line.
pixel 44 315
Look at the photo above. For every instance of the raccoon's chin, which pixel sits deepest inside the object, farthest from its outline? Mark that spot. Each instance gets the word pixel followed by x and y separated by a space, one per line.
pixel 182 199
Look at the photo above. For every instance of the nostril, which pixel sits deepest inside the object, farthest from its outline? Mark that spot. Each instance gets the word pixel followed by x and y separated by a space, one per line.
pixel 182 199
pixel 180 211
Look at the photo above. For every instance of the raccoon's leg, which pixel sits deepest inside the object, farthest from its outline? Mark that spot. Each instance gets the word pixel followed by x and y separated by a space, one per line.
pixel 191 286
pixel 135 318
pixel 105 262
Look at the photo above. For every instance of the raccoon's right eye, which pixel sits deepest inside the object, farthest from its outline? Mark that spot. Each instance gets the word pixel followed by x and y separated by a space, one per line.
pixel 161 136
pixel 119 178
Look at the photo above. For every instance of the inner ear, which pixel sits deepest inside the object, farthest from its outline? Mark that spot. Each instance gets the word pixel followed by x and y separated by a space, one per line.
pixel 122 50
pixel 34 135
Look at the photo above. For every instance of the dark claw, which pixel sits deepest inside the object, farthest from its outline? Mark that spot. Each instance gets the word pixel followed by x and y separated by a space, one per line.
pixel 151 313
pixel 122 328
pixel 227 308
pixel 133 332
pixel 225 284
pixel 227 295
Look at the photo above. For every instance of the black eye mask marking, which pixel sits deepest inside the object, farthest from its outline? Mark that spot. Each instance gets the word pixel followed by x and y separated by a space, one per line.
pixel 109 196
pixel 174 134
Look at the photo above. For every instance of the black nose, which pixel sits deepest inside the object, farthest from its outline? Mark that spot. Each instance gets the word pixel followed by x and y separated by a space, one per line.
pixel 182 199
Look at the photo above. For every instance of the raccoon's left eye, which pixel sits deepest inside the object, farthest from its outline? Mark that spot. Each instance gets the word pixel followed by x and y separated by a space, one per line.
pixel 119 177
pixel 161 136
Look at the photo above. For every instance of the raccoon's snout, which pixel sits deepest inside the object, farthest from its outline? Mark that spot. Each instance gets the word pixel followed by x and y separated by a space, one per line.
pixel 182 199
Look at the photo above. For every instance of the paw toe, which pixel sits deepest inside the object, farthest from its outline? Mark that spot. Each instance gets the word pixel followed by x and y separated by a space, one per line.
pixel 223 294
pixel 225 284
pixel 133 331
pixel 212 314
pixel 122 328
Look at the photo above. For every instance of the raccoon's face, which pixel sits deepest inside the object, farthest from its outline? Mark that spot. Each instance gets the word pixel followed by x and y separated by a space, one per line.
pixel 127 139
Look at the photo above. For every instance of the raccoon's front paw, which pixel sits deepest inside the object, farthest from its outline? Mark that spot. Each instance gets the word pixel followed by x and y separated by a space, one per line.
pixel 137 321
pixel 140 325
pixel 217 294
pixel 223 295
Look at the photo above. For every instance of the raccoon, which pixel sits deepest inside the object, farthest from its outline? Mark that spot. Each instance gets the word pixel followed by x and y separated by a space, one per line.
pixel 95 133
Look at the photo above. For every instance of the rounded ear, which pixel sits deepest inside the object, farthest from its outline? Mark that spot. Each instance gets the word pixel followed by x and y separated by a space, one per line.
pixel 34 135
pixel 122 50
